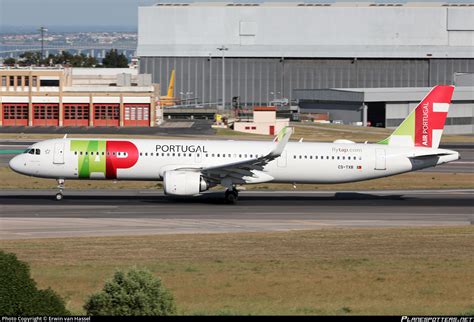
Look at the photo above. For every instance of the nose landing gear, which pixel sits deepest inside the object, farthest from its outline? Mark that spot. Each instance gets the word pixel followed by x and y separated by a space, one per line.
pixel 59 195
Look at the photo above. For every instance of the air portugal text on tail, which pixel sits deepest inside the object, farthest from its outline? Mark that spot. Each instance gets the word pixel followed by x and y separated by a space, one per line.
pixel 424 126
pixel 190 167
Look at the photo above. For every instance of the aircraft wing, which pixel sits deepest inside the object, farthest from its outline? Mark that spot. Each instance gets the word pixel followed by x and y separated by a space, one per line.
pixel 249 171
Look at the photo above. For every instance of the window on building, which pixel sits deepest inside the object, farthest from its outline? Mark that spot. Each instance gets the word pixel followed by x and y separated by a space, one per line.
pixel 34 82
pixel 49 82
pixel 11 80
pixel 4 81
pixel 27 81
pixel 18 81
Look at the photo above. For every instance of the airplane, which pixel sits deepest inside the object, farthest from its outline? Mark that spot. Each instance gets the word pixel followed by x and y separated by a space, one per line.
pixel 169 99
pixel 190 167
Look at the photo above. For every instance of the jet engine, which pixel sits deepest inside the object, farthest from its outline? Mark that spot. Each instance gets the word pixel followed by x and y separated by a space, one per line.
pixel 183 183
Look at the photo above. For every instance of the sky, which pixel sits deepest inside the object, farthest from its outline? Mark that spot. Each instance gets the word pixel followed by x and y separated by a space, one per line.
pixel 78 15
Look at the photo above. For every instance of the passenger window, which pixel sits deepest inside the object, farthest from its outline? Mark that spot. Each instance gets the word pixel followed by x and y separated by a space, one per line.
pixel 103 153
pixel 86 153
pixel 327 157
pixel 240 155
pixel 300 156
pixel 332 157
pixel 114 153
pixel 190 154
pixel 146 154
pixel 343 158
pixel 311 157
pixel 305 156
pixel 75 152
pixel 338 157
pixel 151 154
pixel 294 157
pixel 179 154
pixel 315 157
pixel 228 155
pixel 38 151
pixel 218 155
pixel 80 153
pixel 140 154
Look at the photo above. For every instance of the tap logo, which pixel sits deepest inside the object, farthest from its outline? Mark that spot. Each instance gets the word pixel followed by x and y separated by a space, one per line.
pixel 98 159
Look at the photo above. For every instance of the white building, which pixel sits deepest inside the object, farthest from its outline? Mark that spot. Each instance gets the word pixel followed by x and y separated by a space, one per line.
pixel 264 122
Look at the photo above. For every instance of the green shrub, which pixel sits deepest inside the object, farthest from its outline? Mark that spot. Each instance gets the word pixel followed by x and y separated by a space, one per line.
pixel 134 292
pixel 19 295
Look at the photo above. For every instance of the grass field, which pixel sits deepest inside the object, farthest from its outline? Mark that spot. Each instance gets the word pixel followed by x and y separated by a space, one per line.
pixel 401 271
pixel 413 180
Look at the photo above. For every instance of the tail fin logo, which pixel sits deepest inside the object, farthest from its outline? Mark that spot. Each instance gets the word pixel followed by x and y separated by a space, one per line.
pixel 424 126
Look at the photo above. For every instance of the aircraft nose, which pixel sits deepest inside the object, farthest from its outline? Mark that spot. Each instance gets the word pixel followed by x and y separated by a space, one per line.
pixel 17 164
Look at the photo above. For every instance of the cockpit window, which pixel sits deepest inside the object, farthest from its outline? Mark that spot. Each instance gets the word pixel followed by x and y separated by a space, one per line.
pixel 33 151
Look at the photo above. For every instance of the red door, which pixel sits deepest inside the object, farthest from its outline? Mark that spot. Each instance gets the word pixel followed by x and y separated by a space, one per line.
pixel 106 114
pixel 76 114
pixel 272 130
pixel 137 115
pixel 46 114
pixel 15 114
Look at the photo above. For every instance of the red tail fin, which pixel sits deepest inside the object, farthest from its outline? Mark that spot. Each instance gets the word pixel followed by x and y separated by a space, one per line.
pixel 430 116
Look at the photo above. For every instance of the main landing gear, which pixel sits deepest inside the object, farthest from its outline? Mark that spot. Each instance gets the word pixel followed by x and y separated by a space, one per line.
pixel 59 195
pixel 231 196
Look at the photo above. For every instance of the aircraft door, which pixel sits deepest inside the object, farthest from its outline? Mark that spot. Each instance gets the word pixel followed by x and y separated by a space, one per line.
pixel 380 161
pixel 58 157
pixel 281 161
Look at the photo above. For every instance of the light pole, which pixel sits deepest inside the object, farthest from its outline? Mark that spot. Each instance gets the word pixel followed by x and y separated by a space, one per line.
pixel 223 49
pixel 43 30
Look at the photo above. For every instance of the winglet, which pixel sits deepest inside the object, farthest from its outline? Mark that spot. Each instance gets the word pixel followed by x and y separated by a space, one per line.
pixel 282 138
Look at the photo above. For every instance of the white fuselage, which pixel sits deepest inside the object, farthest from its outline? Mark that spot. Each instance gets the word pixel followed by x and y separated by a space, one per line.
pixel 300 162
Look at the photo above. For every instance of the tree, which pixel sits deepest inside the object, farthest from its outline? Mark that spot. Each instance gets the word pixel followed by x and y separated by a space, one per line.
pixel 114 59
pixel 134 292
pixel 19 295
pixel 9 61
pixel 31 58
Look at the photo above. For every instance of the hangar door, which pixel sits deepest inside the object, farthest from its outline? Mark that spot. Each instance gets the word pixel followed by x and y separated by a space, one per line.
pixel 137 115
pixel 106 114
pixel 76 114
pixel 46 114
pixel 15 114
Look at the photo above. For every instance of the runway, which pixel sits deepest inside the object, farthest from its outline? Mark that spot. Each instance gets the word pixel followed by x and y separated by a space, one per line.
pixel 35 214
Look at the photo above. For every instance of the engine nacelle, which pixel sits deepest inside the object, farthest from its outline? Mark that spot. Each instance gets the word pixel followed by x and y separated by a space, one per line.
pixel 183 183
